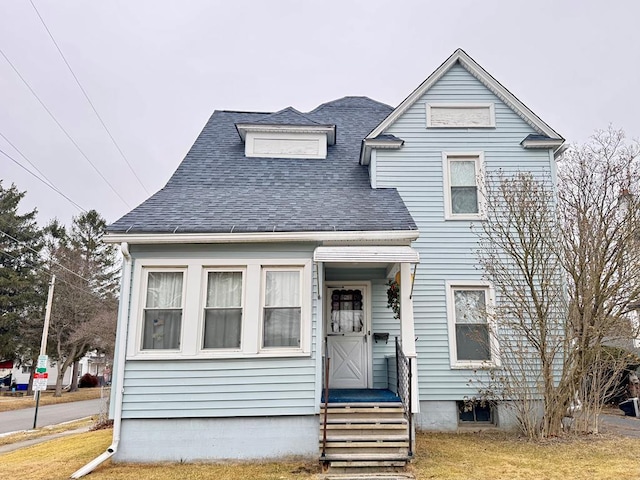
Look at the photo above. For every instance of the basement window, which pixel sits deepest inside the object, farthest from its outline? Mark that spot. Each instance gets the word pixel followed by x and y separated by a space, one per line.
pixel 475 413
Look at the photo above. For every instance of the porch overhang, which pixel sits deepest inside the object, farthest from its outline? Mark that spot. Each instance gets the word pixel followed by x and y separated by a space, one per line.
pixel 356 254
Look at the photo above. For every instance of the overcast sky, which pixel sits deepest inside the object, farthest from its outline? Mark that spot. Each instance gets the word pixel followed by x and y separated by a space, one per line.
pixel 155 70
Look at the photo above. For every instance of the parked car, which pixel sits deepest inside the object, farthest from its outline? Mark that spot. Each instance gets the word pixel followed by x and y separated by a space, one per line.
pixel 5 381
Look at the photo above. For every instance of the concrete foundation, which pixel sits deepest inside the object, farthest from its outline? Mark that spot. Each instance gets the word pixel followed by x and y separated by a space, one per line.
pixel 212 439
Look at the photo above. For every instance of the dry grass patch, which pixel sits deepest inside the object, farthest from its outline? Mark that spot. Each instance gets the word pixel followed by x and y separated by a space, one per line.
pixel 58 459
pixel 44 431
pixel 501 456
pixel 47 398
pixel 439 456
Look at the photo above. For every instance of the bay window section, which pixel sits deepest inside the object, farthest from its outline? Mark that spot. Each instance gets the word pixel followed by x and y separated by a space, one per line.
pixel 281 316
pixel 223 310
pixel 163 311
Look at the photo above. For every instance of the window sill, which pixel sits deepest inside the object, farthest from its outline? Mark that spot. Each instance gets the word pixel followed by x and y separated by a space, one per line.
pixel 472 218
pixel 217 356
pixel 474 365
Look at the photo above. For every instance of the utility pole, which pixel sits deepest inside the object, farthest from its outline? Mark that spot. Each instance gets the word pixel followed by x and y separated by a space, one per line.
pixel 43 348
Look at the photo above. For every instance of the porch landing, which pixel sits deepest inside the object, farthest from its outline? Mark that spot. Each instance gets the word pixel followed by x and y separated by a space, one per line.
pixel 361 395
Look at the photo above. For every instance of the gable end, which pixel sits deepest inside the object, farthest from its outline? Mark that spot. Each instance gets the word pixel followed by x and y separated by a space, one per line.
pixel 461 57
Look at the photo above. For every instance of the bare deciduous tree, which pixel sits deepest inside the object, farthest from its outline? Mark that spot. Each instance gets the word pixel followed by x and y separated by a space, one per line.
pixel 599 211
pixel 518 256
pixel 566 271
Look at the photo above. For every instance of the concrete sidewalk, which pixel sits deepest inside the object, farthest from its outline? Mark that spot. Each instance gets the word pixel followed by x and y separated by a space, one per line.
pixel 34 441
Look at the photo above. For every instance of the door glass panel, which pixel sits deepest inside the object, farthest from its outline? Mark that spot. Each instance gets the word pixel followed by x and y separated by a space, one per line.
pixel 347 311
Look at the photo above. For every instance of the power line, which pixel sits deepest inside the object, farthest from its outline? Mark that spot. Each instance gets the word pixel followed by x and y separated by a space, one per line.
pixel 48 270
pixel 24 156
pixel 49 184
pixel 38 253
pixel 113 140
pixel 62 128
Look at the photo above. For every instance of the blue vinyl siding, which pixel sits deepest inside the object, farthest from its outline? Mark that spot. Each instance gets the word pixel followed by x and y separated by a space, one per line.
pixel 223 387
pixel 447 248
pixel 383 322
pixel 219 388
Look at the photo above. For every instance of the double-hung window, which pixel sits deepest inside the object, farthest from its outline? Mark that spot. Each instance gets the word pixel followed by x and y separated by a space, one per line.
pixel 463 196
pixel 163 310
pixel 472 343
pixel 223 310
pixel 282 307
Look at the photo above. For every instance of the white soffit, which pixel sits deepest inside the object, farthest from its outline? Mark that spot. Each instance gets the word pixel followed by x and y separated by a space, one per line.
pixel 382 254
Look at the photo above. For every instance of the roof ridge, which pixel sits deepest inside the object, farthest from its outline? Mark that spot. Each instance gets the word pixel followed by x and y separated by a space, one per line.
pixel 289 113
pixel 331 103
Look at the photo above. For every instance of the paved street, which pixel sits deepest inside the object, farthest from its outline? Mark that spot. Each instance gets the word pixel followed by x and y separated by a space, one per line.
pixel 48 415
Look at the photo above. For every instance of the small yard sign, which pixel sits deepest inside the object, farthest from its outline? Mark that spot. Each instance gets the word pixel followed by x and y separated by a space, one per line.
pixel 41 377
pixel 40 381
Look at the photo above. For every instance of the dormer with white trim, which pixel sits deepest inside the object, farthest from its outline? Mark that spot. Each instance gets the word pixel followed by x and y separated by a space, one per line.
pixel 287 134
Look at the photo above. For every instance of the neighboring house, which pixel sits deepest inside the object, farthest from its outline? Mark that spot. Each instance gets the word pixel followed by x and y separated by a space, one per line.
pixel 275 240
pixel 21 372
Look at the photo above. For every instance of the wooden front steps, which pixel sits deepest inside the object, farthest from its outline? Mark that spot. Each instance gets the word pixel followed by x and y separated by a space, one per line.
pixel 365 435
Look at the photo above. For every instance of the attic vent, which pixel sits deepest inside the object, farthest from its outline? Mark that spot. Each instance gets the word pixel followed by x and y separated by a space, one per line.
pixel 282 145
pixel 468 115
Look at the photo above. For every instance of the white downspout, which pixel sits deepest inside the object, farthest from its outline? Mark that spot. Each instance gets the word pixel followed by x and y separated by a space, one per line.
pixel 125 288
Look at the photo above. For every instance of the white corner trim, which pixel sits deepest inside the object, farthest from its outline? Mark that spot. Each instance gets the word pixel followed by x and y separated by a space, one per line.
pixel 483 76
pixel 262 237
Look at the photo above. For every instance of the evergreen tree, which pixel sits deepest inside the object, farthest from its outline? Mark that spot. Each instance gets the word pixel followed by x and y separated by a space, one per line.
pixel 99 260
pixel 22 282
pixel 85 301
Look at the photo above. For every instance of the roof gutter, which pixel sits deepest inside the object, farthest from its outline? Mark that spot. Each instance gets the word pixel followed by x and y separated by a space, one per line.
pixel 262 237
pixel 122 345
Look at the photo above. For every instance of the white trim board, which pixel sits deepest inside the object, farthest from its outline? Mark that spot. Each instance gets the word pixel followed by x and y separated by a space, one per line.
pixel 262 237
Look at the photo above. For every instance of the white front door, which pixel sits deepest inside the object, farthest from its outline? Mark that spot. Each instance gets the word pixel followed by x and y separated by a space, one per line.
pixel 347 327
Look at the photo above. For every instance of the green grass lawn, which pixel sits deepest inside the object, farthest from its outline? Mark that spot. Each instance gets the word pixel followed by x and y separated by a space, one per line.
pixel 495 456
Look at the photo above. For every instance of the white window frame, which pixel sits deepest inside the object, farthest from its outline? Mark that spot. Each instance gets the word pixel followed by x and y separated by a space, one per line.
pixel 462 106
pixel 203 308
pixel 193 301
pixel 494 349
pixel 263 289
pixel 143 306
pixel 478 157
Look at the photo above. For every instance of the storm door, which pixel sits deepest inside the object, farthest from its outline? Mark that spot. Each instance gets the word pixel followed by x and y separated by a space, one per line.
pixel 347 328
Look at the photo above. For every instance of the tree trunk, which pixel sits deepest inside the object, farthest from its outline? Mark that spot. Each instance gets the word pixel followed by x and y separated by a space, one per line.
pixel 61 369
pixel 30 385
pixel 74 376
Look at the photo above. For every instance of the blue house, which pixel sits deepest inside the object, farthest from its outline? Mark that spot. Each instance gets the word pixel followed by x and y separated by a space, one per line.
pixel 254 321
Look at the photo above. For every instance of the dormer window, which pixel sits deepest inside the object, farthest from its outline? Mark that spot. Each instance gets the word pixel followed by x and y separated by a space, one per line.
pixel 286 134
pixel 286 141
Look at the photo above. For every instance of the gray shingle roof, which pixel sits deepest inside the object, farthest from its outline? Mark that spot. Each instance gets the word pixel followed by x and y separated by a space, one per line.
pixel 217 189
pixel 287 116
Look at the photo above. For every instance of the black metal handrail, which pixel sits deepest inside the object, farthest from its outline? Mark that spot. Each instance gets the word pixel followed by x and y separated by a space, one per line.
pixel 403 377
pixel 326 398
